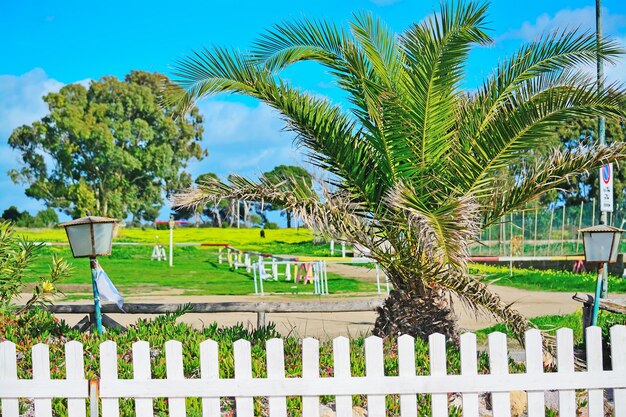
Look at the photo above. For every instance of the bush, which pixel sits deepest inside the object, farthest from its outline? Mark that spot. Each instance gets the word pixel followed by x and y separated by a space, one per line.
pixel 17 257
pixel 271 226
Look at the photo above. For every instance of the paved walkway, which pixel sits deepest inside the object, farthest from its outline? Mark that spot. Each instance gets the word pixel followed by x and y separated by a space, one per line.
pixel 328 325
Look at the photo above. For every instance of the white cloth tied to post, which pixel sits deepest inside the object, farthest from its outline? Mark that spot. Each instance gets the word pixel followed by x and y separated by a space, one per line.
pixel 106 288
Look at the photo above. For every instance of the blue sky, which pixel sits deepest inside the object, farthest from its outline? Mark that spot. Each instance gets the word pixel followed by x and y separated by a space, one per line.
pixel 47 44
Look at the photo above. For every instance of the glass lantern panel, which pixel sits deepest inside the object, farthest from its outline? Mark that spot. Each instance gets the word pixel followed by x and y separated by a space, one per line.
pixel 615 247
pixel 598 246
pixel 103 234
pixel 80 239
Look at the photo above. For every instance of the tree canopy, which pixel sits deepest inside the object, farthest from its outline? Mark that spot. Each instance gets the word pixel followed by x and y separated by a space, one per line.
pixel 583 132
pixel 286 177
pixel 111 148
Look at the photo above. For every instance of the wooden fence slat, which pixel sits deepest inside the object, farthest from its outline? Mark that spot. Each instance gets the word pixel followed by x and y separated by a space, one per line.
pixel 469 368
pixel 406 367
pixel 594 364
pixel 8 372
pixel 534 366
pixel 437 353
pixel 41 372
pixel 75 371
pixel 565 364
pixel 210 370
pixel 618 360
pixel 310 370
pixel 108 375
pixel 499 365
pixel 374 367
pixel 276 370
pixel 174 371
pixel 341 359
pixel 243 371
pixel 142 372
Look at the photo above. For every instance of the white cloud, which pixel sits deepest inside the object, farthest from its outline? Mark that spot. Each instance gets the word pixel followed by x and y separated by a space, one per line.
pixel 228 122
pixel 21 98
pixel 243 139
pixel 584 18
pixel 20 103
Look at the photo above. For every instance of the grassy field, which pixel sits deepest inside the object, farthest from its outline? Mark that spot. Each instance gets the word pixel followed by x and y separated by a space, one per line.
pixel 536 280
pixel 235 237
pixel 551 324
pixel 195 272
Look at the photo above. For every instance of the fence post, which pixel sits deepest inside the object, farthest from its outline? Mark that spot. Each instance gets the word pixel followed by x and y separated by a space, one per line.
pixel 209 371
pixel 8 371
pixel 406 367
pixel 580 225
pixel 534 366
pixel 108 373
pixel 341 360
pixel 142 372
pixel 243 371
pixel 437 353
pixel 310 370
pixel 75 370
pixel 618 361
pixel 550 232
pixel 563 230
pixel 374 367
pixel 594 364
pixel 535 239
pixel 276 370
pixel 511 247
pixel 260 319
pixel 469 368
pixel 499 365
pixel 41 372
pixel 565 364
pixel 523 233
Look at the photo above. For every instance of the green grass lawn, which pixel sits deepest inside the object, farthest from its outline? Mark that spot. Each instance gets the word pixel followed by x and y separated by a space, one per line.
pixel 195 272
pixel 536 280
pixel 551 324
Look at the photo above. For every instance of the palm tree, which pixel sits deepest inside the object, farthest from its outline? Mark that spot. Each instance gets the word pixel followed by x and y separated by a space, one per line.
pixel 417 164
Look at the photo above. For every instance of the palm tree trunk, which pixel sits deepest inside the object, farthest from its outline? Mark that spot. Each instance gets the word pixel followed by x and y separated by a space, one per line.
pixel 418 311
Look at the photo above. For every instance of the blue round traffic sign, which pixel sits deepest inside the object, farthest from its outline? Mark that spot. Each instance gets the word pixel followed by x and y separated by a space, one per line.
pixel 606 174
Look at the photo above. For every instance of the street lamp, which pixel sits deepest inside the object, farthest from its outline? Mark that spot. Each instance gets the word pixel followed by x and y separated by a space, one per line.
pixel 89 237
pixel 601 244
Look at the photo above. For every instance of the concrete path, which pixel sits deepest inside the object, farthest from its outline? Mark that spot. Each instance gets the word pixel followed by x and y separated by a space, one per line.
pixel 328 325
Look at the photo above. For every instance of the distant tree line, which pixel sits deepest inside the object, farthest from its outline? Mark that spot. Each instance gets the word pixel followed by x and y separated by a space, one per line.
pixel 44 218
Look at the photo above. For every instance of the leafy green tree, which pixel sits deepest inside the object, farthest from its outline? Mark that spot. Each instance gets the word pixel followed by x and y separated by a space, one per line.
pixel 582 131
pixel 11 214
pixel 416 161
pixel 111 148
pixel 46 218
pixel 286 176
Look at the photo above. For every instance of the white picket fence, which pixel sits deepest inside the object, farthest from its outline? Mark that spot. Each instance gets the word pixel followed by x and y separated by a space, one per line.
pixel 310 386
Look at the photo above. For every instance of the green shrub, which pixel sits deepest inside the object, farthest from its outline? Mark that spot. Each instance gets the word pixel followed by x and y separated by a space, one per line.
pixel 271 226
pixel 17 257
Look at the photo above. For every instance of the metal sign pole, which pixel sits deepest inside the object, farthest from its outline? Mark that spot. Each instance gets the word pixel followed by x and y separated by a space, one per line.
pixel 96 295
